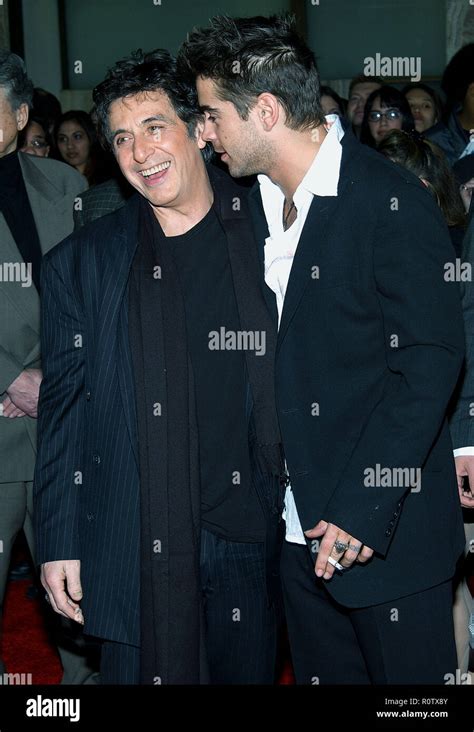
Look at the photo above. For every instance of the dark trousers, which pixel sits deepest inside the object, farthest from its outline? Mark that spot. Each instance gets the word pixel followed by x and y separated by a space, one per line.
pixel 241 629
pixel 405 641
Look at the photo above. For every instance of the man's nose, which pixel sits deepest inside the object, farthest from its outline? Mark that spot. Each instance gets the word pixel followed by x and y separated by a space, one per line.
pixel 142 149
pixel 208 133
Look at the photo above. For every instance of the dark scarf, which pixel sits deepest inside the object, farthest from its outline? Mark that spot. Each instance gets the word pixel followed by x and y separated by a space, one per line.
pixel 172 639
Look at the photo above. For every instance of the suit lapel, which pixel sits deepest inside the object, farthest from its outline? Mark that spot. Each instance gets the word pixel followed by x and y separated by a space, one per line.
pixel 312 239
pixel 260 229
pixel 116 299
pixel 52 212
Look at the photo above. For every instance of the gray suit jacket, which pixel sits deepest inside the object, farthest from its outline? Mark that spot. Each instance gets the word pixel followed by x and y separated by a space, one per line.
pixel 51 187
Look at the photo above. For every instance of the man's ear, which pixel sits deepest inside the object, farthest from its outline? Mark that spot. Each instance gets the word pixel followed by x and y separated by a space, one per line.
pixel 21 117
pixel 267 111
pixel 198 134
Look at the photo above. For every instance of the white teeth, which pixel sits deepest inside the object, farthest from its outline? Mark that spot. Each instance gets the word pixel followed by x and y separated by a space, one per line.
pixel 156 169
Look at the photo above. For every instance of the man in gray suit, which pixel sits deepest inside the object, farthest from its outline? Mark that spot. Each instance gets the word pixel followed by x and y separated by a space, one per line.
pixel 36 206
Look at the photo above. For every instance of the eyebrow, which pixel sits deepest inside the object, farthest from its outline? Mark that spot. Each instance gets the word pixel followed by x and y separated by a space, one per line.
pixel 206 108
pixel 154 118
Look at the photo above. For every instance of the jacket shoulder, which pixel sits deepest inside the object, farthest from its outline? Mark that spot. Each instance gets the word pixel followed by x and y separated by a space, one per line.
pixel 61 175
pixel 98 237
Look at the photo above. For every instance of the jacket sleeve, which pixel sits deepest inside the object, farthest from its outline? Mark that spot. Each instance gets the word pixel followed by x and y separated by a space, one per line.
pixel 58 471
pixel 10 368
pixel 462 417
pixel 424 347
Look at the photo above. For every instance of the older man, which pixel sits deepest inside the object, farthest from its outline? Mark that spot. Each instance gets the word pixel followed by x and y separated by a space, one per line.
pixel 36 205
pixel 155 519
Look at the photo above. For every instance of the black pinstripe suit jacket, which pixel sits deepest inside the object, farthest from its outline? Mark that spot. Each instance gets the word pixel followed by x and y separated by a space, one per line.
pixel 87 481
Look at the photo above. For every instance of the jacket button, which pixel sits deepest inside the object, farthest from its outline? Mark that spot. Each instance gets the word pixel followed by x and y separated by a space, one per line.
pixel 96 459
pixel 88 396
pixel 388 532
pixel 90 517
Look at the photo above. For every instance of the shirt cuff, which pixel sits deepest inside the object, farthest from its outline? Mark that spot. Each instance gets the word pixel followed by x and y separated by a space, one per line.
pixel 463 451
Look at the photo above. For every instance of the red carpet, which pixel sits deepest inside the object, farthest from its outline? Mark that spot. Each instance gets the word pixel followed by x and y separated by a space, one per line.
pixel 26 648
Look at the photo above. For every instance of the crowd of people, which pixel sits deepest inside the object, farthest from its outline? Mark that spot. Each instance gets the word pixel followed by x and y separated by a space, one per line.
pixel 182 500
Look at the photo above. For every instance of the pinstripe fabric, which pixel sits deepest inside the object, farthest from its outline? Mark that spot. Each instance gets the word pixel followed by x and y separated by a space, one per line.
pixel 86 479
pixel 240 626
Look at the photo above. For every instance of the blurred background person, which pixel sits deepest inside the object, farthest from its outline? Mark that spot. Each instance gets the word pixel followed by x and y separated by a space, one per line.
pixel 425 159
pixel 425 105
pixel 34 138
pixel 77 144
pixel 452 133
pixel 386 109
pixel 47 107
pixel 361 87
pixel 331 102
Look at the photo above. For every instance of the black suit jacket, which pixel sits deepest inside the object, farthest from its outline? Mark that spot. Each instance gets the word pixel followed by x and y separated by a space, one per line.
pixel 87 480
pixel 369 349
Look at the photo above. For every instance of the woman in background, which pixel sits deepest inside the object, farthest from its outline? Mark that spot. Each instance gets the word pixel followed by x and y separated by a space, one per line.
pixel 77 144
pixel 331 102
pixel 34 138
pixel 425 105
pixel 385 110
pixel 428 162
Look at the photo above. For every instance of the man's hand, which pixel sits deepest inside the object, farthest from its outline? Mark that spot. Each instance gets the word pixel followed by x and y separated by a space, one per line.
pixel 24 391
pixel 62 582
pixel 10 410
pixel 346 552
pixel 465 468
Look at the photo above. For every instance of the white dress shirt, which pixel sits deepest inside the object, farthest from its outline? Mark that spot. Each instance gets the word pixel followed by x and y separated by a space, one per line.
pixel 321 179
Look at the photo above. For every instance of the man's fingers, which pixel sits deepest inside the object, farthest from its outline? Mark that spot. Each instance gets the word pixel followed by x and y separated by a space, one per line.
pixel 323 568
pixel 54 576
pixel 317 530
pixel 365 554
pixel 351 553
pixel 467 500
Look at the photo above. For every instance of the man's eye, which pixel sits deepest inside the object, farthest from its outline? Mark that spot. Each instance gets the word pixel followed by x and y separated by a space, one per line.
pixel 119 141
pixel 211 118
pixel 154 128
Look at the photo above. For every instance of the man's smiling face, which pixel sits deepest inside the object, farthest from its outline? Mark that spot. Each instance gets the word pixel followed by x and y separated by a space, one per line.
pixel 153 148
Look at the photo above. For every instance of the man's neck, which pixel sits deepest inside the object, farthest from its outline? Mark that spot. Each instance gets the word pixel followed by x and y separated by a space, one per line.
pixel 295 156
pixel 177 220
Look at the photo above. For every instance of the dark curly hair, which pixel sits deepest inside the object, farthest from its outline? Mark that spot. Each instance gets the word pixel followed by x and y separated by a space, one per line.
pixel 145 72
pixel 246 57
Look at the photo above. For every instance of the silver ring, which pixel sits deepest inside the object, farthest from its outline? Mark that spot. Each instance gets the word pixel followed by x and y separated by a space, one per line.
pixel 354 547
pixel 340 546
